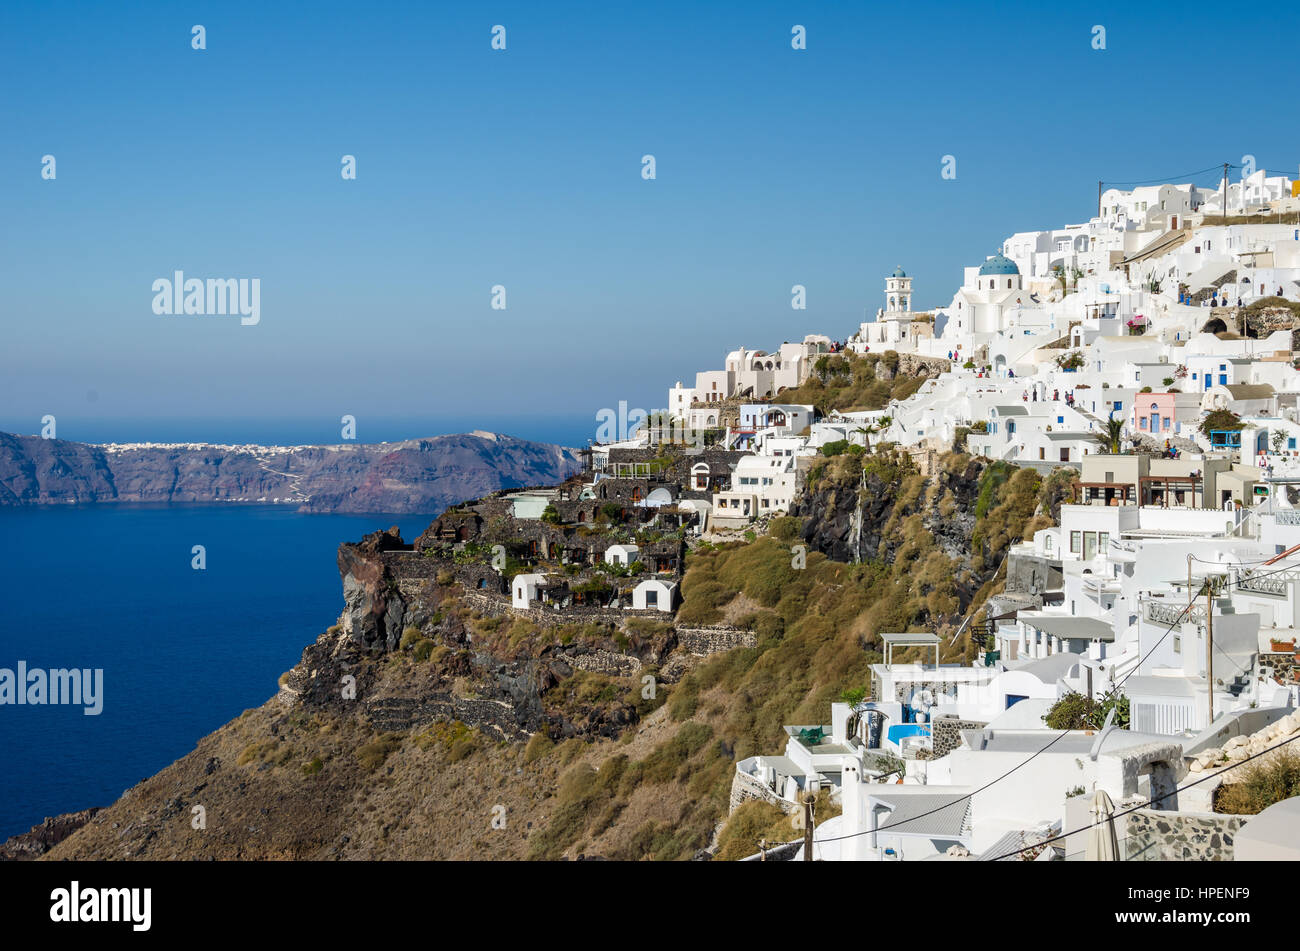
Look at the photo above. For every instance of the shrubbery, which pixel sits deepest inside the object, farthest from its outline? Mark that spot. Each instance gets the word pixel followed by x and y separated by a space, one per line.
pixel 1263 782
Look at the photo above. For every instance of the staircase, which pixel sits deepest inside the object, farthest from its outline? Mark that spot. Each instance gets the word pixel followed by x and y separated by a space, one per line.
pixel 1161 245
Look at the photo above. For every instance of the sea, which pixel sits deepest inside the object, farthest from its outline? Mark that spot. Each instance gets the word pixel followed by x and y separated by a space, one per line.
pixel 183 650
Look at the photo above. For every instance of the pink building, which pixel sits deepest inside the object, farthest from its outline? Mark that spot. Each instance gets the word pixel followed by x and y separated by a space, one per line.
pixel 1153 414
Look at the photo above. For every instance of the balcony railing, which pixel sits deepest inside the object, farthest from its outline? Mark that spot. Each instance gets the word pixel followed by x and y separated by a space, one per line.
pixel 1158 612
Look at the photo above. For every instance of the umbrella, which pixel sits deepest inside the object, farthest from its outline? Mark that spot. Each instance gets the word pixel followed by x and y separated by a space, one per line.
pixel 1102 844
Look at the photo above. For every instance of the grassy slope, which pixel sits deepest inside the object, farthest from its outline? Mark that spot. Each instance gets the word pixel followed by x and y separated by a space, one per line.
pixel 283 781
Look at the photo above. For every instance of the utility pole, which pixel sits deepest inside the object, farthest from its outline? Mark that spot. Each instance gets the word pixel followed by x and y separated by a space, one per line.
pixel 1099 184
pixel 1225 193
pixel 808 800
pixel 1209 643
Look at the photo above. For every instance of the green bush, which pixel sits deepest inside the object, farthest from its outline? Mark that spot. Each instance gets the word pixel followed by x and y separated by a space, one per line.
pixel 1263 782
pixel 373 754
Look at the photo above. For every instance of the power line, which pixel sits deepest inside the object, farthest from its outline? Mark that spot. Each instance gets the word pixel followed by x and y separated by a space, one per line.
pixel 1051 743
pixel 1170 178
pixel 1143 805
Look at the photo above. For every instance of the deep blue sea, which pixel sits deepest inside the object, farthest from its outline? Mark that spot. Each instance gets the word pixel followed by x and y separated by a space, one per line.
pixel 183 651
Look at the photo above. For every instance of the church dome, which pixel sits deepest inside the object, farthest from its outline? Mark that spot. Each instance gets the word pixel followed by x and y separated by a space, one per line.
pixel 899 272
pixel 998 264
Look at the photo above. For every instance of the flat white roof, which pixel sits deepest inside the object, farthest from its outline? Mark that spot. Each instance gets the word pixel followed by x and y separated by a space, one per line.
pixel 911 640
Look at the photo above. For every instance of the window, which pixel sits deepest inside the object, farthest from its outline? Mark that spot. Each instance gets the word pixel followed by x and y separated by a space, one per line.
pixel 1089 545
pixel 1223 379
pixel 1103 541
pixel 1167 421
pixel 1060 420
pixel 1075 538
pixel 1178 644
pixel 1119 406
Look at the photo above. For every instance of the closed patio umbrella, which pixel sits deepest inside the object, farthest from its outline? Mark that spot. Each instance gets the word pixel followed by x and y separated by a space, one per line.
pixel 1102 844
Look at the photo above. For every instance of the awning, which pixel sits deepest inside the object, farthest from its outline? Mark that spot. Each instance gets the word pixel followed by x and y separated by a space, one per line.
pixel 1090 628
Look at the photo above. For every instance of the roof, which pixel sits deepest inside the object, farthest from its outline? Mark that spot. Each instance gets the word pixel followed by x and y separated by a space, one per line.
pixel 1250 391
pixel 911 640
pixel 1061 625
pixel 1271 834
pixel 1011 410
pixel 999 264
pixel 1051 668
pixel 899 272
pixel 933 815
pixel 1008 848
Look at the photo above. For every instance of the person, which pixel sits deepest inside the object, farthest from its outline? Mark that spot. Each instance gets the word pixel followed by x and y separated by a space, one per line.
pixel 1025 396
pixel 1056 396
pixel 1035 394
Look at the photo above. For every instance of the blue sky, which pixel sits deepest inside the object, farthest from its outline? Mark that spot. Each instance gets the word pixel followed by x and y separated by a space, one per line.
pixel 522 168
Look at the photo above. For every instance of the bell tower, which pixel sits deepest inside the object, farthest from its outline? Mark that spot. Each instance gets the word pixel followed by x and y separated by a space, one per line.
pixel 898 292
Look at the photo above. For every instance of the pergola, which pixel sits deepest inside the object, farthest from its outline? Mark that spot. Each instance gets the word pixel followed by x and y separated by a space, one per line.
pixel 1167 484
pixel 910 640
pixel 1097 490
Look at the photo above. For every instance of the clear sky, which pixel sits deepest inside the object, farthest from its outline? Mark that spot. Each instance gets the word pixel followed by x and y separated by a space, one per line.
pixel 522 168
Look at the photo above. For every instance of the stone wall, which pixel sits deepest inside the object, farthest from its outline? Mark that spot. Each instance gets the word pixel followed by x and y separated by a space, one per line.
pixel 1032 574
pixel 746 788
pixel 1154 836
pixel 1284 666
pixel 911 364
pixel 703 641
pixel 500 606
pixel 603 662
pixel 946 733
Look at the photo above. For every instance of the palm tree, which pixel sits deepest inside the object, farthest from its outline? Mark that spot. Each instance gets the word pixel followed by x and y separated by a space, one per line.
pixel 1111 437
pixel 865 432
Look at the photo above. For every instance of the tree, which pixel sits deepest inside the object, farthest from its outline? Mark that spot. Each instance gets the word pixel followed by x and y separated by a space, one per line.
pixel 1074 711
pixel 1220 420
pixel 1058 270
pixel 1113 434
pixel 853 696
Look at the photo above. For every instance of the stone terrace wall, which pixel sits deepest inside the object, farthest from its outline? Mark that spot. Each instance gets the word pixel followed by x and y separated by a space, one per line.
pixel 745 788
pixel 703 641
pixel 500 606
pixel 946 733
pixel 1155 836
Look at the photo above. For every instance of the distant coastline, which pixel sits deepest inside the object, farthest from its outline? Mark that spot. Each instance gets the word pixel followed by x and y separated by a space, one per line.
pixel 411 476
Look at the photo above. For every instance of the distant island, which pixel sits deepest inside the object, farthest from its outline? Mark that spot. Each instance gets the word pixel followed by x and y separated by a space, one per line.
pixel 413 476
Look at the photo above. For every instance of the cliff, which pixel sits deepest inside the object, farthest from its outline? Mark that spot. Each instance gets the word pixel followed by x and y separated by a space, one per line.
pixel 418 475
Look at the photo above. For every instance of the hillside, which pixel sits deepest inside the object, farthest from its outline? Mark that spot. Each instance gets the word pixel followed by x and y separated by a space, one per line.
pixel 418 475
pixel 550 719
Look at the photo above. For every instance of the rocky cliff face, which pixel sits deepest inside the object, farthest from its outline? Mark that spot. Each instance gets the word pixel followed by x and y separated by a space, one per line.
pixel 843 518
pixel 419 475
